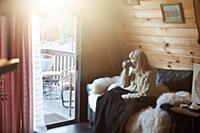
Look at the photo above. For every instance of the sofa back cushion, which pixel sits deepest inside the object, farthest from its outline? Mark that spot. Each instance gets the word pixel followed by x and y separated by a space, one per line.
pixel 175 80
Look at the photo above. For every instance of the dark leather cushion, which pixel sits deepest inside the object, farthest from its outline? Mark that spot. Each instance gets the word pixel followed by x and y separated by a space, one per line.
pixel 175 80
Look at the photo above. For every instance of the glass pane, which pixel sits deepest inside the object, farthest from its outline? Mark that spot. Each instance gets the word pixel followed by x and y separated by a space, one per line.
pixel 55 42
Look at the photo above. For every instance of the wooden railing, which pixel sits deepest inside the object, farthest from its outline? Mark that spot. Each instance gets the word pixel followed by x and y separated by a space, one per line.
pixel 62 59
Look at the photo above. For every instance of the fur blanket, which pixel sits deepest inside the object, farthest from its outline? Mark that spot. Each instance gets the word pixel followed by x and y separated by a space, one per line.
pixel 100 85
pixel 155 120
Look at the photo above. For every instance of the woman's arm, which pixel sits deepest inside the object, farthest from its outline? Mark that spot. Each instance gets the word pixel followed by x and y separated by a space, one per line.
pixel 148 84
pixel 125 80
pixel 147 87
pixel 125 77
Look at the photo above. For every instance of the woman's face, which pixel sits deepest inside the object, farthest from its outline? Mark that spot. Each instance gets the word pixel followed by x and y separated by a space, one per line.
pixel 134 62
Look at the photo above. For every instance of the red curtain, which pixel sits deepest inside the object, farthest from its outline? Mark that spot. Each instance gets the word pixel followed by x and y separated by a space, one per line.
pixel 22 92
pixel 17 109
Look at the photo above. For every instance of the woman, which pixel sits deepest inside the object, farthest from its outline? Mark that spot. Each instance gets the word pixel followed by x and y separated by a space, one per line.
pixel 139 77
pixel 138 82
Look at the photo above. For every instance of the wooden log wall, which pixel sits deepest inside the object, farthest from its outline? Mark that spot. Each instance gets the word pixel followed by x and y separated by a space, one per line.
pixel 100 46
pixel 100 52
pixel 168 46
pixel 196 4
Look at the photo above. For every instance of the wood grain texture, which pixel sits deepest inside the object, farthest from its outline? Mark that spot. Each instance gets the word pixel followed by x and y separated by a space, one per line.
pixel 197 10
pixel 99 46
pixel 168 49
pixel 147 22
pixel 188 13
pixel 155 4
pixel 161 31
pixel 158 40
pixel 168 46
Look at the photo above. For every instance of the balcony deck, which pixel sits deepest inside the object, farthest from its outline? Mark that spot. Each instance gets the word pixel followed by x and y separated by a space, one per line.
pixel 54 111
pixel 53 108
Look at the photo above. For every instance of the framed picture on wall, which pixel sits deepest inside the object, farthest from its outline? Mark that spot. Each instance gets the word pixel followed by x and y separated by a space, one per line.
pixel 172 13
pixel 196 84
pixel 131 2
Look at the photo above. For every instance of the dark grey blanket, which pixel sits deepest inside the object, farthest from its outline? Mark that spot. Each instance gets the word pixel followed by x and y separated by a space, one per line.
pixel 112 112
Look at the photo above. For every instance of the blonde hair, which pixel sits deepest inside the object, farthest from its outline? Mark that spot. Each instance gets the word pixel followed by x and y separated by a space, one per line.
pixel 142 61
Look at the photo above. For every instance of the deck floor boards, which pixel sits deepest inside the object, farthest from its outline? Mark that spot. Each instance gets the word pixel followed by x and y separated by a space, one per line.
pixel 53 105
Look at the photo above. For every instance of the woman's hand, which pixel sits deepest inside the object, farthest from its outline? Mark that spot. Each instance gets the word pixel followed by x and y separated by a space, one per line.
pixel 126 64
pixel 130 88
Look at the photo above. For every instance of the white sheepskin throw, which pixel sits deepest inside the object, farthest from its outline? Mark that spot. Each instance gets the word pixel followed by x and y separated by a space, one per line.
pixel 152 121
pixel 100 85
pixel 114 85
pixel 174 98
pixel 156 120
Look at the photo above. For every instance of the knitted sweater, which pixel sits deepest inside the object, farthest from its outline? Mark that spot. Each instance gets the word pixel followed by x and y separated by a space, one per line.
pixel 140 84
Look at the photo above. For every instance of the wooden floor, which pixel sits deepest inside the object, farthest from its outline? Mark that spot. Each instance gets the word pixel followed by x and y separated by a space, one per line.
pixel 74 128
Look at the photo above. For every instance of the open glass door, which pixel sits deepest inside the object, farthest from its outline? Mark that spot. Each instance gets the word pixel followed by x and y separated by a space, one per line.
pixel 54 69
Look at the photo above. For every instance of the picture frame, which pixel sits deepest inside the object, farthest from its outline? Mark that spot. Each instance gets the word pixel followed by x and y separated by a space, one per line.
pixel 131 2
pixel 196 84
pixel 172 12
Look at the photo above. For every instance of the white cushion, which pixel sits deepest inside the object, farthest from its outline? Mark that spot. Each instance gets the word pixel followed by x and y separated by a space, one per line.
pixel 100 85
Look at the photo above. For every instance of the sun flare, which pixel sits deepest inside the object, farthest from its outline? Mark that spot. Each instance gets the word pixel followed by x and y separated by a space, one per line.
pixel 50 4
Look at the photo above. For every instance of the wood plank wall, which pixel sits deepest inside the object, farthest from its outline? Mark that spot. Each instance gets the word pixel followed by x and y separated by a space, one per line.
pixel 100 47
pixel 168 46
pixel 100 52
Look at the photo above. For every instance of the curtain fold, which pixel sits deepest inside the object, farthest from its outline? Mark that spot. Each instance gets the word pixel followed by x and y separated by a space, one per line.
pixel 18 107
pixel 21 48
